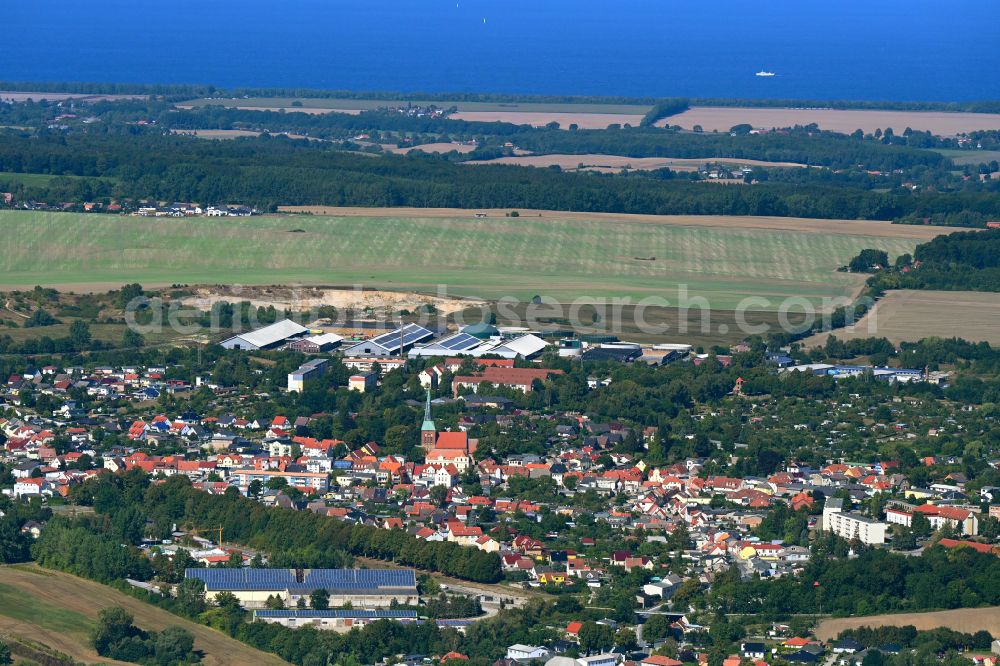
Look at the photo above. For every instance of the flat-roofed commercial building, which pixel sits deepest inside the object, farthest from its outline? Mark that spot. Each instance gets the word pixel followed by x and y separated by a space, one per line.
pixel 364 588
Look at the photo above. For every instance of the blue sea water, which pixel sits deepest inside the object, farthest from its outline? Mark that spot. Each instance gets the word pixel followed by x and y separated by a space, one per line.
pixel 830 49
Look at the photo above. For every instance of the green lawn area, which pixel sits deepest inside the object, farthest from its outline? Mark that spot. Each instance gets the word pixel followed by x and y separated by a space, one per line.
pixel 13 604
pixel 559 257
pixel 35 179
pixel 364 104
pixel 27 179
pixel 963 157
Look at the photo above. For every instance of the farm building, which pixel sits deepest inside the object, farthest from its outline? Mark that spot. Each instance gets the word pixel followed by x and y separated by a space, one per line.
pixel 466 344
pixel 310 370
pixel 371 588
pixel 335 620
pixel 392 343
pixel 526 346
pixel 458 343
pixel 268 337
pixel 315 344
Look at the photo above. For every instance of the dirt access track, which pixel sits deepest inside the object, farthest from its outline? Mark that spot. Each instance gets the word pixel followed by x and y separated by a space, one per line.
pixel 73 597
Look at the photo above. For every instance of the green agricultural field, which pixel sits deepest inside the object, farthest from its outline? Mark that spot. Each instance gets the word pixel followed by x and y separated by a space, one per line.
pixel 563 256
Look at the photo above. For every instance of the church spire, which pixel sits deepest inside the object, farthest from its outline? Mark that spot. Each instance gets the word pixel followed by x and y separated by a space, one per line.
pixel 428 431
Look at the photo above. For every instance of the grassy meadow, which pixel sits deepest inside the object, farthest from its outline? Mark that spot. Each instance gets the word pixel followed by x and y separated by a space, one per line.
pixel 562 257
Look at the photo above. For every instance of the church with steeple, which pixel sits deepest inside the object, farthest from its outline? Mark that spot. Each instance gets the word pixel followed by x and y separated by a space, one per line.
pixel 428 431
pixel 445 444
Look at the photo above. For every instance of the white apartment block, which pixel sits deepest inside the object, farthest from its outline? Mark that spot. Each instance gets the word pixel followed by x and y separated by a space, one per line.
pixel 852 525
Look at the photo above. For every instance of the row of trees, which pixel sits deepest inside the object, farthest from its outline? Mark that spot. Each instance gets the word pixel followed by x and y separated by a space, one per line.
pixel 937 640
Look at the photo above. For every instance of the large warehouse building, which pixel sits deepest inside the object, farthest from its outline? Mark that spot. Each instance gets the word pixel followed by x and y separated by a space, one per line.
pixel 393 343
pixel 269 337
pixel 363 588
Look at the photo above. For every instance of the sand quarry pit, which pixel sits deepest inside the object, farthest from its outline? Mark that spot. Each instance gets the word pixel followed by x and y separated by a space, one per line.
pixel 942 123
pixel 307 298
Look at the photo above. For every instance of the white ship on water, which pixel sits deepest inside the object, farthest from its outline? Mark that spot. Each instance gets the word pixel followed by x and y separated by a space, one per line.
pixel 764 73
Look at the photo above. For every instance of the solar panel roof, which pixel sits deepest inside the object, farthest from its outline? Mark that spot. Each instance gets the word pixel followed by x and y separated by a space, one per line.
pixel 459 341
pixel 338 613
pixel 313 579
pixel 411 333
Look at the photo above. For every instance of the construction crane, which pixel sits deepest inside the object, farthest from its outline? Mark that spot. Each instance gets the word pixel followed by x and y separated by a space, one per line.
pixel 196 532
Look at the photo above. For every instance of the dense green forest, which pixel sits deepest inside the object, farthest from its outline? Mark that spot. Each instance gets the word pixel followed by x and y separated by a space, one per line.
pixel 961 261
pixel 805 145
pixel 838 151
pixel 268 172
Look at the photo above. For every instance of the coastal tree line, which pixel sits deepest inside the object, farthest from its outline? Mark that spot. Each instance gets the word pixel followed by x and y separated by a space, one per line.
pixel 190 91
